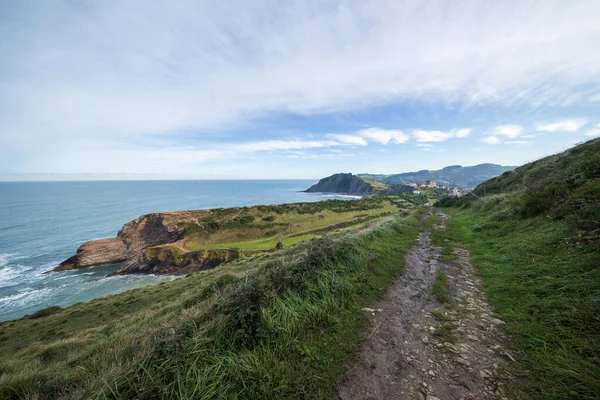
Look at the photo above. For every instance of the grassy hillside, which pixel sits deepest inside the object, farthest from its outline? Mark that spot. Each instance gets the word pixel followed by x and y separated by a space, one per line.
pixel 276 325
pixel 535 236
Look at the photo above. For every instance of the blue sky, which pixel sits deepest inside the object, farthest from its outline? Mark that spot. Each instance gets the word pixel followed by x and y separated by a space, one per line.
pixel 294 89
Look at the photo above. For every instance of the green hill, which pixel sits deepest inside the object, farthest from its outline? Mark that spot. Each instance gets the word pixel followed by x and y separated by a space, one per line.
pixel 534 234
pixel 453 176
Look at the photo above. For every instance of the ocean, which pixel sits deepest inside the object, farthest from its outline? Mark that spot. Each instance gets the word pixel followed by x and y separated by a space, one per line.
pixel 43 223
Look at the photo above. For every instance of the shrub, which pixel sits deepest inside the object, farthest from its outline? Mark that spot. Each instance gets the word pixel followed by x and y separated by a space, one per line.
pixel 45 312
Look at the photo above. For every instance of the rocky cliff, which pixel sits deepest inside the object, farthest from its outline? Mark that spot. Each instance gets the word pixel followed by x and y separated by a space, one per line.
pixel 128 247
pixel 96 252
pixel 167 260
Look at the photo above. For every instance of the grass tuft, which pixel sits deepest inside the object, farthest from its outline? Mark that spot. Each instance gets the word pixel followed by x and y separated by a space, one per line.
pixel 439 288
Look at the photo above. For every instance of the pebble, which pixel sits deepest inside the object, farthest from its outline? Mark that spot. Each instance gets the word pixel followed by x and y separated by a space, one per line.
pixel 462 361
pixel 507 354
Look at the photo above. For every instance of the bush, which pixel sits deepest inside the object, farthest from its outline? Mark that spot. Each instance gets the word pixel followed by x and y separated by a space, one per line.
pixel 45 312
pixel 244 220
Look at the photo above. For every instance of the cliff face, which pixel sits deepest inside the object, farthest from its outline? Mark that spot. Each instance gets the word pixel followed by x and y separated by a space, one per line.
pixel 343 183
pixel 171 262
pixel 129 245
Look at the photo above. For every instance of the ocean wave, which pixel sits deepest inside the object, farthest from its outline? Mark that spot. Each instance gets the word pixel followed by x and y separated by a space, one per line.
pixel 330 195
pixel 4 258
pixel 343 196
pixel 10 272
pixel 24 296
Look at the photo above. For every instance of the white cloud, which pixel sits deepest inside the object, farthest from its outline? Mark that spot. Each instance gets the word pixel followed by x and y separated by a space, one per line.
pixel 491 140
pixel 594 131
pixel 462 133
pixel 424 145
pixel 384 136
pixel 278 145
pixel 519 142
pixel 431 136
pixel 425 136
pixel 571 125
pixel 348 139
pixel 511 131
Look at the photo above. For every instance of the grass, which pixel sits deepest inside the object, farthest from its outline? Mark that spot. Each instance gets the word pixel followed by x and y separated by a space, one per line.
pixel 272 326
pixel 439 287
pixel 444 332
pixel 260 227
pixel 548 294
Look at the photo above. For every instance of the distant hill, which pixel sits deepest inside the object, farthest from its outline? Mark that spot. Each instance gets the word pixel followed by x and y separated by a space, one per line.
pixel 453 175
pixel 355 185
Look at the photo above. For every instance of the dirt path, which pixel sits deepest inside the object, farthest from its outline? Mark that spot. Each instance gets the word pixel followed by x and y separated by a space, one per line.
pixel 180 244
pixel 415 347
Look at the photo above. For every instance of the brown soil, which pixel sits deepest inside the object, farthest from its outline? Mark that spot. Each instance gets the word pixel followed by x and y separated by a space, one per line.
pixel 402 354
pixel 180 244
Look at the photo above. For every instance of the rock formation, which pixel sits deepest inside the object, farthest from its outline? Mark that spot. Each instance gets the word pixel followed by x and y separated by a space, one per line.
pixel 128 247
pixel 96 252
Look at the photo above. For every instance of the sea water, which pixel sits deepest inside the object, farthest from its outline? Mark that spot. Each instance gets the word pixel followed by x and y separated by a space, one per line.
pixel 43 223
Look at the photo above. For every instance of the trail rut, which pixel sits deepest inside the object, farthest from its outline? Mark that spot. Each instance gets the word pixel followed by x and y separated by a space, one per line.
pixel 403 354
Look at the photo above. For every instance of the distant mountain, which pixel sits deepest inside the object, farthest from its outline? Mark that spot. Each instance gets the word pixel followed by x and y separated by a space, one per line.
pixel 355 185
pixel 453 175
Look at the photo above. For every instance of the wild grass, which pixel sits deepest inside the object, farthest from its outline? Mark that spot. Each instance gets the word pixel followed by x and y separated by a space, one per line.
pixel 439 287
pixel 444 332
pixel 547 291
pixel 280 325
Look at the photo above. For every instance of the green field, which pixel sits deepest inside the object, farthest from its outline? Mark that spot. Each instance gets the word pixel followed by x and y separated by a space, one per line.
pixel 261 228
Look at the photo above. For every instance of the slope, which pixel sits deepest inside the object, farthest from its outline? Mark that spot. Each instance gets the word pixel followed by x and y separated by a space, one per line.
pixel 534 234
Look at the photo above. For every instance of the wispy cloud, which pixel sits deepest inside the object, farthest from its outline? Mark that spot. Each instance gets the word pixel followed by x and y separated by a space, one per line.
pixel 425 136
pixel 348 139
pixel 385 136
pixel 571 125
pixel 594 131
pixel 142 66
pixel 491 140
pixel 520 142
pixel 509 130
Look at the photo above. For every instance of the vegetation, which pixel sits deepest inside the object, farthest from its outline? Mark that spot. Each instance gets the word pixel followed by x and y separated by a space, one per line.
pixel 276 325
pixel 534 234
pixel 439 287
pixel 260 228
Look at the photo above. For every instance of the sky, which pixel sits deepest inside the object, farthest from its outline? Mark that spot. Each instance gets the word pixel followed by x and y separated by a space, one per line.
pixel 147 89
